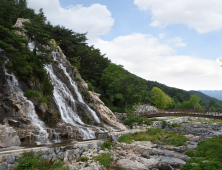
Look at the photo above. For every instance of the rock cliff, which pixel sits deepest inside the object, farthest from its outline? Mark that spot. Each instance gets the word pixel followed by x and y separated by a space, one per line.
pixel 87 113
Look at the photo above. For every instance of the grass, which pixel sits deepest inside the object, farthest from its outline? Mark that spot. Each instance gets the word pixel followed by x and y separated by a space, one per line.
pixel 209 150
pixel 156 136
pixel 167 118
pixel 84 159
pixel 140 120
pixel 77 79
pixel 217 121
pixel 31 93
pixel 31 162
pixel 175 125
pixel 106 145
pixel 104 159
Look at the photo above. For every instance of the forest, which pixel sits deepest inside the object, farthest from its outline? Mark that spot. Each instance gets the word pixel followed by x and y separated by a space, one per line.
pixel 119 89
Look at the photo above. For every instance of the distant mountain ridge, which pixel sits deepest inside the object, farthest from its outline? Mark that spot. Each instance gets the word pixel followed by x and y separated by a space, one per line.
pixel 213 93
pixel 205 98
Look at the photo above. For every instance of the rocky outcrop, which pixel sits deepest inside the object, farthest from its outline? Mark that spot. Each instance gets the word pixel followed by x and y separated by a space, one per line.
pixel 105 113
pixel 145 155
pixel 8 137
pixel 15 109
pixel 19 24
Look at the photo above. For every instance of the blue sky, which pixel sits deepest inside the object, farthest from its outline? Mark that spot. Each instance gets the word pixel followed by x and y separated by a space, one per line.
pixel 174 42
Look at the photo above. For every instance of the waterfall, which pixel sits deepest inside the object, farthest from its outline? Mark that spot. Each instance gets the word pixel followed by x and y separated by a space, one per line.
pixel 76 89
pixel 66 102
pixel 28 106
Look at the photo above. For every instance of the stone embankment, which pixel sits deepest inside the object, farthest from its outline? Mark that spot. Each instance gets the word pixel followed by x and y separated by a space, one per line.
pixel 8 159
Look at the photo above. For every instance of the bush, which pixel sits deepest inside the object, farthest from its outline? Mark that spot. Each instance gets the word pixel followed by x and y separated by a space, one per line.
pixel 29 161
pixel 164 125
pixel 77 79
pixel 44 100
pixel 104 159
pixel 31 93
pixel 209 150
pixel 84 159
pixel 175 125
pixel 106 145
pixel 189 153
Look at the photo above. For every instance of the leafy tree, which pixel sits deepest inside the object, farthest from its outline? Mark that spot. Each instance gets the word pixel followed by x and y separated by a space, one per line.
pixel 193 103
pixel 161 100
pixel 123 88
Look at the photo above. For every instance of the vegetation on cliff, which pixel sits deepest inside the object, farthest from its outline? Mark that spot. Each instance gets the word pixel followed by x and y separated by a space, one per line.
pixel 119 88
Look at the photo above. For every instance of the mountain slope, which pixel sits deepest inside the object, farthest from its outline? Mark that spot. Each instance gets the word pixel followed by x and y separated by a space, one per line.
pixel 213 93
pixel 205 98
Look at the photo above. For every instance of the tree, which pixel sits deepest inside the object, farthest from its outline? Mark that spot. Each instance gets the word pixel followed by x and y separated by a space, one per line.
pixel 193 103
pixel 120 86
pixel 162 100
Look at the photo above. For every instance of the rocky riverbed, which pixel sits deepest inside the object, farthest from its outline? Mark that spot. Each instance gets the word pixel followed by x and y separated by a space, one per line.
pixel 143 155
pixel 140 155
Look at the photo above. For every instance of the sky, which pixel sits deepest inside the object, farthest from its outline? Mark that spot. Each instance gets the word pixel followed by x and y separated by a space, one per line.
pixel 174 42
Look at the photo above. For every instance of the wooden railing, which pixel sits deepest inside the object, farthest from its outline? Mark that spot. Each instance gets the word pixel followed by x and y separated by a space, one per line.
pixel 179 111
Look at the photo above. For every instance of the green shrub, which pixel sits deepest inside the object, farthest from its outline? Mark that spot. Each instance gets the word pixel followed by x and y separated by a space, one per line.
pixel 106 145
pixel 84 159
pixel 31 93
pixel 87 164
pixel 164 125
pixel 189 153
pixel 44 100
pixel 77 79
pixel 29 162
pixel 104 159
pixel 209 150
pixel 175 125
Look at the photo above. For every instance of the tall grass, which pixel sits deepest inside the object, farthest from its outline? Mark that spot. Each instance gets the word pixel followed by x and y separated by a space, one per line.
pixel 156 136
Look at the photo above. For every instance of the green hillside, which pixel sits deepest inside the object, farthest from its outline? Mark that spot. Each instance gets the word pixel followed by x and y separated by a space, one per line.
pixel 206 99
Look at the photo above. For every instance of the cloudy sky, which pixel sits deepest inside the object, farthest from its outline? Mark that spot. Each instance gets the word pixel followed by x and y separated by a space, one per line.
pixel 174 42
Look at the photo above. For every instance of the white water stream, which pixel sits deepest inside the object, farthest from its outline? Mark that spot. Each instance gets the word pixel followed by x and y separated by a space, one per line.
pixel 28 107
pixel 66 102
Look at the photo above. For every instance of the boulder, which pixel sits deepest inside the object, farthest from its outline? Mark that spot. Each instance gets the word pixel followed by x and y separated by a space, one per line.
pixel 8 137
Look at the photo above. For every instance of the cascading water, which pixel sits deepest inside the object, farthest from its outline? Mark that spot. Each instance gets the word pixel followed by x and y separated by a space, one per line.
pixel 66 101
pixel 28 105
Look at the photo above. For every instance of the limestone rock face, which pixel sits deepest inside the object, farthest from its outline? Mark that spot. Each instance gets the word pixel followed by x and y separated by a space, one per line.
pixel 105 113
pixel 8 137
pixel 19 23
pixel 90 97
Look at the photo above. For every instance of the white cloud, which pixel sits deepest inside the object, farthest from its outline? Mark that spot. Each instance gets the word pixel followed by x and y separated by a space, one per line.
pixel 202 15
pixel 145 56
pixel 177 42
pixel 161 36
pixel 96 19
